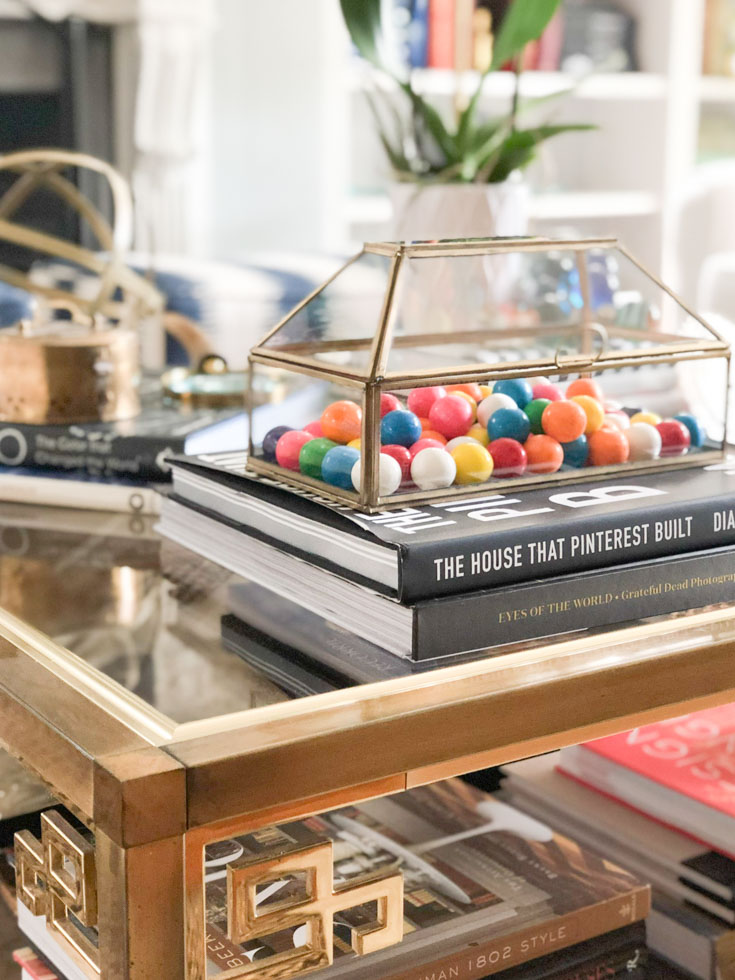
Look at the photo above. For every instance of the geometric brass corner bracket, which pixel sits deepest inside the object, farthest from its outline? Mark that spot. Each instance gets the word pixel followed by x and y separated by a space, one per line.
pixel 315 911
pixel 56 878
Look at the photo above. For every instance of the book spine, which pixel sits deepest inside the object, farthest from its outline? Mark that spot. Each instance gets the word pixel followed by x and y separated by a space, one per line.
pixel 575 602
pixel 441 34
pixel 501 953
pixel 628 961
pixel 87 450
pixel 541 549
pixel 463 40
pixel 418 33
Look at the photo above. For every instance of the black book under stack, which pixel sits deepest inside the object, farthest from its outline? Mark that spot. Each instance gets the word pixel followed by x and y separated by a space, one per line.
pixel 336 596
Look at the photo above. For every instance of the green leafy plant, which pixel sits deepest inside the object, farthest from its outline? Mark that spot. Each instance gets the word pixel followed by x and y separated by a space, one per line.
pixel 420 145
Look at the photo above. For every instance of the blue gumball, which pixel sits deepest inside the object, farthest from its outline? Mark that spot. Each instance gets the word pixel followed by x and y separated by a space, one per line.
pixel 270 439
pixel 575 452
pixel 400 428
pixel 508 423
pixel 337 466
pixel 516 388
pixel 696 431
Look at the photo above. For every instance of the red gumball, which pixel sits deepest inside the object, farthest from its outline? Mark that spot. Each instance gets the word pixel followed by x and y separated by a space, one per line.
pixel 402 456
pixel 424 443
pixel 289 446
pixel 607 446
pixel 675 437
pixel 509 457
pixel 314 429
pixel 388 403
pixel 452 416
pixel 545 454
pixel 420 400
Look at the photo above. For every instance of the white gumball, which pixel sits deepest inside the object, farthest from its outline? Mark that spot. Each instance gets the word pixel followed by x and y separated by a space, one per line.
pixel 619 419
pixel 457 441
pixel 389 475
pixel 644 442
pixel 491 404
pixel 432 469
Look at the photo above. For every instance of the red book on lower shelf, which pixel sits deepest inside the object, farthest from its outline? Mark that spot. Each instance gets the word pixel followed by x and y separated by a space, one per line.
pixel 680 772
pixel 441 34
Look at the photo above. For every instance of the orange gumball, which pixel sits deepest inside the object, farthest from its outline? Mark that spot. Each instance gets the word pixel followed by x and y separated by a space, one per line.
pixel 425 423
pixel 594 410
pixel 471 389
pixel 433 434
pixel 564 421
pixel 544 454
pixel 342 421
pixel 585 386
pixel 469 399
pixel 607 446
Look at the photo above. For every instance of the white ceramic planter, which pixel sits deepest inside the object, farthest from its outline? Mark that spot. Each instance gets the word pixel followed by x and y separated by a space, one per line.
pixel 459 210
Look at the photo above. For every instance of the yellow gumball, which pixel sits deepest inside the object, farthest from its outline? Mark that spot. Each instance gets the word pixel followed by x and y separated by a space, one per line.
pixel 594 411
pixel 474 463
pixel 470 401
pixel 355 444
pixel 479 433
pixel 486 390
pixel 650 417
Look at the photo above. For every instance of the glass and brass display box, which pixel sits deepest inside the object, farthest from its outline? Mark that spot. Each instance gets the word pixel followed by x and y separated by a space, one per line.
pixel 453 367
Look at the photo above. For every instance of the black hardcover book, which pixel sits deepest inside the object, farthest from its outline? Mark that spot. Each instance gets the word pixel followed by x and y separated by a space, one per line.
pixel 619 953
pixel 474 621
pixel 479 542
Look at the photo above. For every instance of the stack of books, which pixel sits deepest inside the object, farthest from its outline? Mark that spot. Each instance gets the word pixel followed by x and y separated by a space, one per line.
pixel 373 596
pixel 661 800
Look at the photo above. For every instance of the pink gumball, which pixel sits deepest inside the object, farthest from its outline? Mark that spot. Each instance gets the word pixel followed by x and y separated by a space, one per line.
pixel 545 389
pixel 314 429
pixel 289 446
pixel 425 444
pixel 452 416
pixel 420 400
pixel 402 456
pixel 388 403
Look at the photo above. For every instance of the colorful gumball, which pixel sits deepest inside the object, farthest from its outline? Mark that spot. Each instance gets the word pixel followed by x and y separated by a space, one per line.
pixel 314 429
pixel 586 386
pixel 342 421
pixel 545 454
pixel 355 443
pixel 608 446
pixel 402 456
pixel 491 404
pixel 564 421
pixel 459 441
pixel 508 423
pixel 619 419
pixel 516 388
pixel 697 435
pixel 547 390
pixel 509 458
pixel 388 403
pixel 650 417
pixel 471 389
pixel 675 438
pixel 474 463
pixel 311 455
pixel 337 466
pixel 433 434
pixel 479 434
pixel 644 442
pixel 425 424
pixel 452 416
pixel 389 475
pixel 594 411
pixel 470 401
pixel 575 452
pixel 420 400
pixel 400 428
pixel 270 441
pixel 433 469
pixel 534 410
pixel 485 391
pixel 289 446
pixel 424 443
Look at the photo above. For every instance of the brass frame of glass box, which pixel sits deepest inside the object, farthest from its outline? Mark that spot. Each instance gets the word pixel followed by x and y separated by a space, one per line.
pixel 295 357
